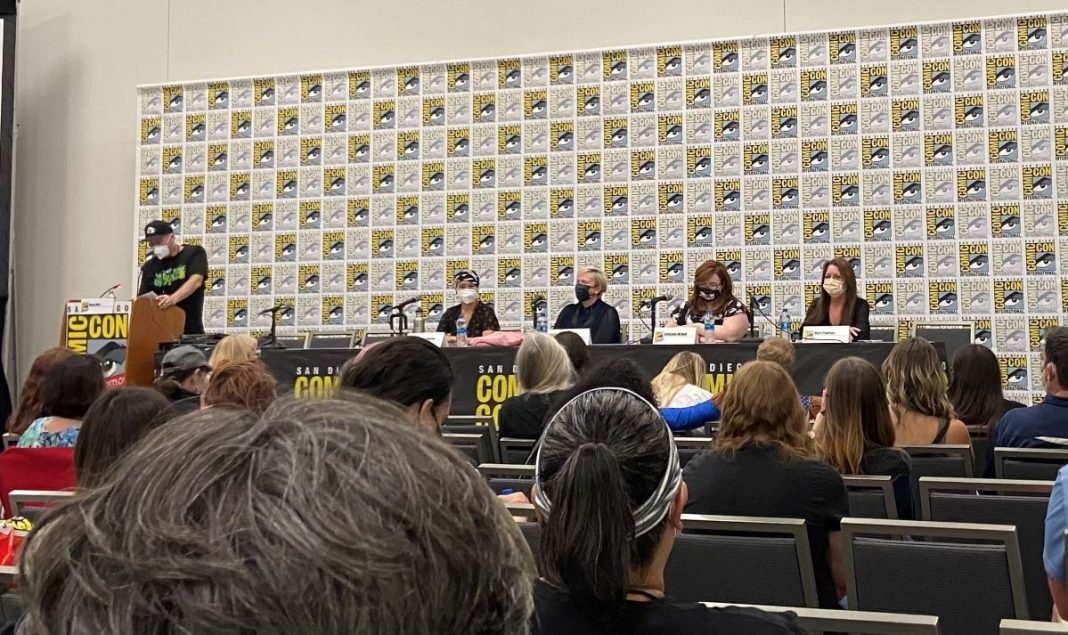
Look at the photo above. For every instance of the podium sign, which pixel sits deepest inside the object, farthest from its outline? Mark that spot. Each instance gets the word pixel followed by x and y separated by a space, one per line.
pixel 675 335
pixel 100 327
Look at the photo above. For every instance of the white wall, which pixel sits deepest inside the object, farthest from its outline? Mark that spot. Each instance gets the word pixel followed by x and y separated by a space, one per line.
pixel 74 169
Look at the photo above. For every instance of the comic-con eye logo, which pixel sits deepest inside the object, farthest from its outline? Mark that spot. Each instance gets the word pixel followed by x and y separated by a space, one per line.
pixel 728 125
pixel 942 296
pixel 969 111
pixel 1041 257
pixel 906 115
pixel 1031 33
pixel 725 57
pixel 842 47
pixel 971 185
pixel 937 77
pixel 814 85
pixel 218 95
pixel 1034 107
pixel 561 69
pixel 904 43
pixel 873 81
pixel 967 38
pixel 974 259
pixel 264 91
pixel 1038 181
pixel 669 61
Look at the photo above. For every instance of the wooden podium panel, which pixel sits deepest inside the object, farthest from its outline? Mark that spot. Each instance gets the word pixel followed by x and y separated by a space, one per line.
pixel 149 327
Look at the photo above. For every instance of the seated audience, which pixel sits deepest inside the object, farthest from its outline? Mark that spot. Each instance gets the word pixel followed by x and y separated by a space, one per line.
pixel 603 555
pixel 917 390
pixel 680 390
pixel 244 384
pixel 577 351
pixel 1037 426
pixel 29 405
pixel 781 351
pixel 408 371
pixel 543 371
pixel 115 421
pixel 184 374
pixel 1053 552
pixel 609 373
pixel 976 389
pixel 854 433
pixel 315 517
pixel 239 347
pixel 763 464
pixel 67 391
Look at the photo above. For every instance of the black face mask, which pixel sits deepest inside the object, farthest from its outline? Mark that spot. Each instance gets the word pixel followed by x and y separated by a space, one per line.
pixel 582 292
pixel 706 294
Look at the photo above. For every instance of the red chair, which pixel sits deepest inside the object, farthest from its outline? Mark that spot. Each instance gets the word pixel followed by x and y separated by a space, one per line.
pixel 49 469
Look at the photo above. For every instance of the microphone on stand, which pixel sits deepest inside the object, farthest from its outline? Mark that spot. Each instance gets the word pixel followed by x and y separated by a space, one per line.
pixel 536 302
pixel 111 290
pixel 398 321
pixel 271 339
pixel 651 303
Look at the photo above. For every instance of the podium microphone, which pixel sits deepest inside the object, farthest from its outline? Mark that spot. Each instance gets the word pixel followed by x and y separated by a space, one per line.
pixel 111 290
pixel 408 302
pixel 667 297
pixel 274 309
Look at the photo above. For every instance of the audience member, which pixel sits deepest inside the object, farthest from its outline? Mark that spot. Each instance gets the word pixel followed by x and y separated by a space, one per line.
pixel 239 347
pixel 68 389
pixel 680 390
pixel 781 351
pixel 1037 426
pixel 115 421
pixel 577 351
pixel 407 371
pixel 184 374
pixel 609 496
pixel 609 373
pixel 1053 552
pixel 244 384
pixel 315 517
pixel 29 404
pixel 543 371
pixel 763 464
pixel 854 432
pixel 917 390
pixel 976 390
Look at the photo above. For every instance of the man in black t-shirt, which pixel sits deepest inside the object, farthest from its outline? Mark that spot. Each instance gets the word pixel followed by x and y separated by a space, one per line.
pixel 176 273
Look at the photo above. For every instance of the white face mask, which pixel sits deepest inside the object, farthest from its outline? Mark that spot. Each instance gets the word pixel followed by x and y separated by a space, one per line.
pixel 467 296
pixel 833 287
pixel 161 251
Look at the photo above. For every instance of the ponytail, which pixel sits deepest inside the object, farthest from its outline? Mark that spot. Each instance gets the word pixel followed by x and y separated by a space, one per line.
pixel 586 541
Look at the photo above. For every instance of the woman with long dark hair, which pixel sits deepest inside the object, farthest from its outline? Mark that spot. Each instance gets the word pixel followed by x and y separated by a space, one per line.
pixel 976 388
pixel 838 303
pixel 603 555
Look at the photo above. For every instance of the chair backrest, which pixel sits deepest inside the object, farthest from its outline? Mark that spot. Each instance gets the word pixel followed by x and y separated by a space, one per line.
pixel 10 440
pixel 941 460
pixel 517 478
pixel 330 340
pixel 39 469
pixel 515 450
pixel 742 559
pixel 1039 464
pixel 470 445
pixel 1019 503
pixel 871 496
pixel 837 621
pixel 980 447
pixel 970 586
pixel 30 503
pixel 532 533
pixel 689 447
pixel 1027 627
pixel 488 440
pixel 293 341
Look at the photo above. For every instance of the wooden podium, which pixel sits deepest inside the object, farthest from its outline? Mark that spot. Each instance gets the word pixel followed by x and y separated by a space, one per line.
pixel 149 327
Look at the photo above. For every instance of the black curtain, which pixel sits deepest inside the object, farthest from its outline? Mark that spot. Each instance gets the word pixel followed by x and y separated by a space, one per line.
pixel 8 10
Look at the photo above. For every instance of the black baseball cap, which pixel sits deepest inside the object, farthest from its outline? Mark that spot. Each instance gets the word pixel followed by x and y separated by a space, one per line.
pixel 158 228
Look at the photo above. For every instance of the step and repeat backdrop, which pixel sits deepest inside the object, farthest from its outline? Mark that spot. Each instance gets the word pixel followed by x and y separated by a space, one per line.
pixel 933 157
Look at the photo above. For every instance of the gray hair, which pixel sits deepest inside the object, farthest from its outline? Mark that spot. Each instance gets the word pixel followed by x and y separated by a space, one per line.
pixel 315 517
pixel 542 365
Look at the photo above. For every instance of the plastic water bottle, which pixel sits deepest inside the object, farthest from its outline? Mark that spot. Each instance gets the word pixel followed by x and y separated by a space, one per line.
pixel 420 320
pixel 541 324
pixel 710 325
pixel 461 331
pixel 784 324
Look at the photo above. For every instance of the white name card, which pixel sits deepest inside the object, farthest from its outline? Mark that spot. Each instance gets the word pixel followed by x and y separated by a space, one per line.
pixel 838 334
pixel 437 339
pixel 675 335
pixel 583 333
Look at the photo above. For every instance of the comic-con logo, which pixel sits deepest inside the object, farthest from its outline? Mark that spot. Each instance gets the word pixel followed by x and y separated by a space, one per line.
pixel 589 235
pixel 1031 33
pixel 483 239
pixel 844 118
pixel 237 312
pixel 816 227
pixel 724 57
pixel 968 111
pixel 309 279
pixel 878 225
pixel 942 297
pixel 974 259
pixel 1041 257
pixel 908 261
pixel 616 200
pixel 874 81
pixel 754 89
pixel 509 273
pixel 238 250
pixel 1002 146
pixel 937 76
pixel 1001 72
pixel 814 85
pixel 1034 107
pixel 356 277
pixel 787 263
pixel 672 267
pixel 407 275
pixel 643 233
pixel 880 297
pixel 671 197
pixel 842 47
pixel 151 130
pixel 1005 221
pixel 814 156
pixel 1009 296
pixel 260 280
pixel 698 161
pixel 728 125
pixel 971 185
pixel 967 38
pixel 1038 181
pixel 941 223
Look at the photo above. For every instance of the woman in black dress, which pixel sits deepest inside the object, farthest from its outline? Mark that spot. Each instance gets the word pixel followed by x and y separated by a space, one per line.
pixel 480 318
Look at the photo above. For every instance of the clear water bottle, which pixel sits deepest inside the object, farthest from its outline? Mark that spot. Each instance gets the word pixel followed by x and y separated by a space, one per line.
pixel 784 324
pixel 541 323
pixel 420 320
pixel 461 331
pixel 710 325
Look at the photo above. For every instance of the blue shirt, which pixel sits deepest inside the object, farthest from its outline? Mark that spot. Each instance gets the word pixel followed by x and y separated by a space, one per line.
pixel 1056 523
pixel 1020 428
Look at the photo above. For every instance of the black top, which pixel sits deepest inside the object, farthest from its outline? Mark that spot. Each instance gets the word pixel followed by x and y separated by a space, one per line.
pixel 897 465
pixel 167 275
pixel 523 416
pixel 601 318
pixel 686 313
pixel 557 613
pixel 756 481
pixel 859 320
pixel 482 319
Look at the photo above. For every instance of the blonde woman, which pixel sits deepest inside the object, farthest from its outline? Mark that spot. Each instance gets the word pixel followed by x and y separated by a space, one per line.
pixel 679 388
pixel 239 347
pixel 854 432
pixel 763 464
pixel 543 371
pixel 917 390
pixel 591 311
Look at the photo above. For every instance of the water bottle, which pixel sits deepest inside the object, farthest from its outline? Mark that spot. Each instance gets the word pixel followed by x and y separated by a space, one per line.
pixel 461 331
pixel 710 325
pixel 784 324
pixel 420 320
pixel 541 323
